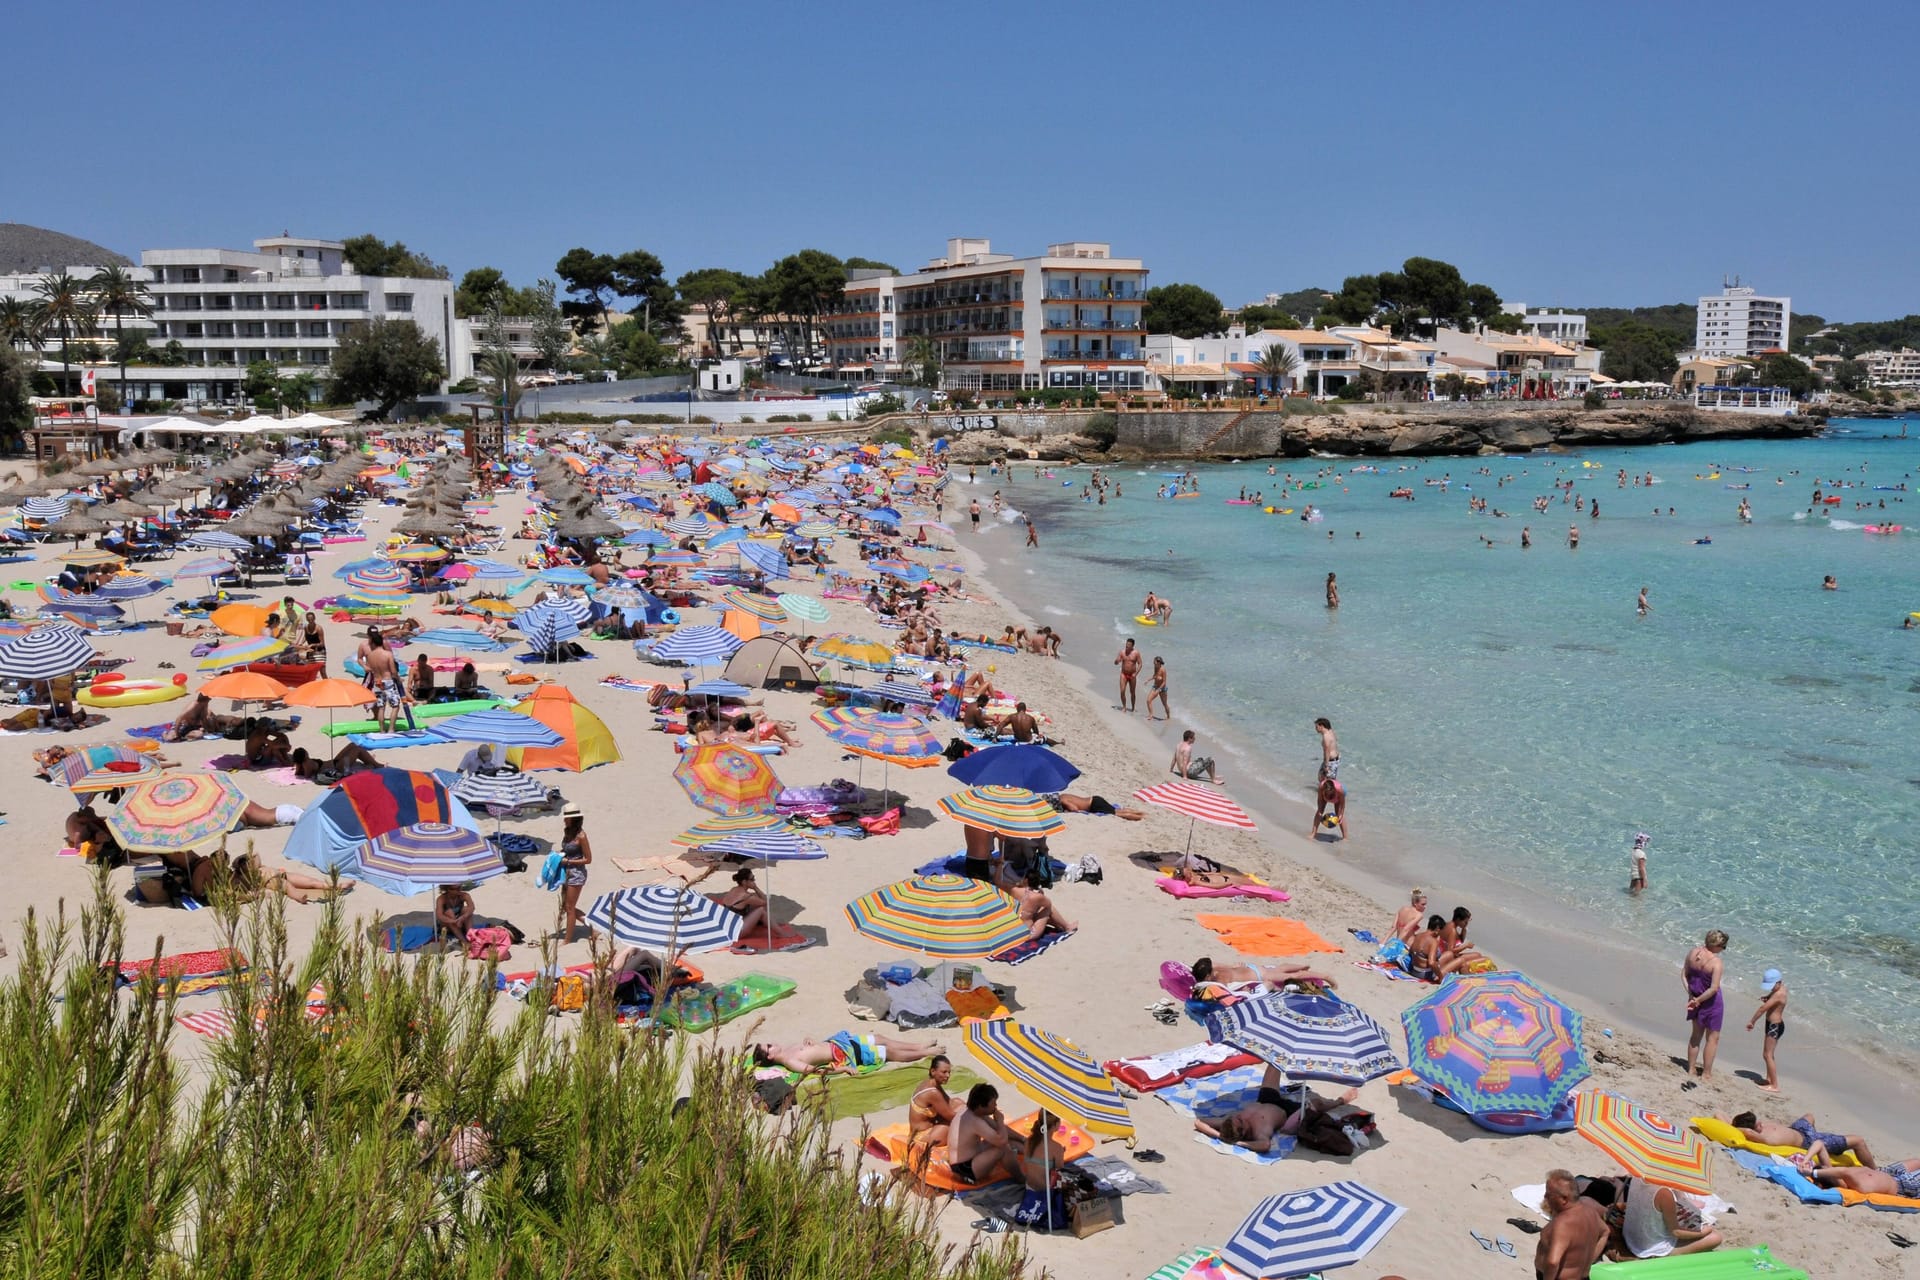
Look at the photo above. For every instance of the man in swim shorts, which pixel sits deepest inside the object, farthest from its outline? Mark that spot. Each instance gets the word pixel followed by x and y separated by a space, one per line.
pixel 1128 660
pixel 1186 765
pixel 1271 1113
pixel 1806 1133
pixel 1901 1178
pixel 844 1052
pixel 1329 748
pixel 978 1148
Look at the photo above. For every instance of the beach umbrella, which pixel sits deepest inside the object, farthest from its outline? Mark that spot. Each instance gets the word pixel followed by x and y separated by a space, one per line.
pixel 806 608
pixel 852 651
pixel 1051 1070
pixel 208 567
pixel 90 558
pixel 723 778
pixel 816 529
pixel 762 607
pixel 423 855
pixel 770 561
pixel 43 654
pixel 218 540
pixel 882 735
pixel 383 577
pixel 241 619
pixel 1298 1233
pixel 129 586
pixel 709 830
pixel 499 608
pixel 912 695
pixel 417 553
pixel 1016 764
pixel 499 725
pixel 696 646
pixel 546 628
pixel 585 740
pixel 952 917
pixel 697 525
pixel 1202 804
pixel 241 652
pixel 500 792
pixel 1308 1037
pixel 104 767
pixel 667 916
pixel 1646 1145
pixel 674 558
pixel 458 638
pixel 576 609
pixel 245 686
pixel 719 689
pixel 44 508
pixel 722 540
pixel 566 575
pixel 1007 811
pixel 177 811
pixel 491 570
pixel 1496 1042
pixel 330 694
pixel 455 573
pixel 767 848
pixel 356 566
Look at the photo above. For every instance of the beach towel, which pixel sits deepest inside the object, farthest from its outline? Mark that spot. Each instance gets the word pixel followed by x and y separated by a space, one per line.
pixel 1874 1200
pixel 929 1164
pixel 1162 1070
pixel 756 941
pixel 1266 935
pixel 395 741
pixel 981 1002
pixel 1021 952
pixel 841 1096
pixel 154 732
pixel 1238 889
pixel 1797 1183
pixel 409 937
pixel 632 686
pixel 1198 1264
pixel 189 973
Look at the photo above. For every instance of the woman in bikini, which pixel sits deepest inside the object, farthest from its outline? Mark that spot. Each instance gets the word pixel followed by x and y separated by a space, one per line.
pixel 932 1109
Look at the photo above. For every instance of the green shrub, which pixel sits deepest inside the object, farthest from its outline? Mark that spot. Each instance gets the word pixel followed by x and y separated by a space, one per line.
pixel 877 406
pixel 1103 429
pixel 1593 400
pixel 893 433
pixel 298 1146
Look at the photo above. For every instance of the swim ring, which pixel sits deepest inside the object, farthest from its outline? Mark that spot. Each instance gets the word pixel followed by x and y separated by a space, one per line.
pixel 670 617
pixel 129 693
pixel 1144 620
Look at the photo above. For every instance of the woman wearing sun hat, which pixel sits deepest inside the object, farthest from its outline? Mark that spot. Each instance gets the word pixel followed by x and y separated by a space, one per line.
pixel 576 851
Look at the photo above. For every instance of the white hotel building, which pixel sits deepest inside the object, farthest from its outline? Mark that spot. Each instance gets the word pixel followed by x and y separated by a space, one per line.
pixel 1739 322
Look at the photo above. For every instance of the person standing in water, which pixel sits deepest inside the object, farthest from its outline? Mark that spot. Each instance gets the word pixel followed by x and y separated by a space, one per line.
pixel 1641 606
pixel 1333 593
pixel 1573 537
pixel 1526 538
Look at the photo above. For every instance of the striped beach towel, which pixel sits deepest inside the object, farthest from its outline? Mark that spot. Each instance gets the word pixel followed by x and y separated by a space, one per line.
pixel 187 974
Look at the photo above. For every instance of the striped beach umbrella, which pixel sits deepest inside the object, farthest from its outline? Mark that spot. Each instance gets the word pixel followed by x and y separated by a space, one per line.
pixel 696 646
pixel 208 567
pixel 417 553
pixel 177 811
pixel 423 855
pixel 698 525
pixel 44 508
pixel 1007 811
pixel 674 558
pixel 241 652
pixel 43 654
pixel 379 578
pixel 575 609
pixel 852 651
pixel 566 575
pixel 1308 1037
pixel 490 571
pixel 104 767
pixel 1646 1145
pixel 1202 804
pixel 763 607
pixel 722 827
pixel 546 628
pixel 773 845
pixel 769 560
pixel 218 540
pixel 1297 1233
pixel 498 725
pixel 882 735
pixel 1052 1071
pixel 661 915
pixel 952 917
pixel 1495 1042
pixel 816 529
pixel 499 790
pixel 458 638
pixel 912 695
pixel 806 608
pixel 722 778
pixel 130 586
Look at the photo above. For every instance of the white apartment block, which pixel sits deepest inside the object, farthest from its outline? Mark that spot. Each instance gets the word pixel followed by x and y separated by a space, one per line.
pixel 1566 328
pixel 1892 368
pixel 1068 318
pixel 1739 322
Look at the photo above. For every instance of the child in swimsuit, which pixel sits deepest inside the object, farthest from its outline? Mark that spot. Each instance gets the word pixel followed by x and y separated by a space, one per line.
pixel 1773 1007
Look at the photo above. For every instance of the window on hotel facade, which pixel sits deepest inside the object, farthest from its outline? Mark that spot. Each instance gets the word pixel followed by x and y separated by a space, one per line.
pixel 189 275
pixel 399 302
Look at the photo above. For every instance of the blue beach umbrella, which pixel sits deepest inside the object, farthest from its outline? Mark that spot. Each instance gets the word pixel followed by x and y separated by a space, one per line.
pixel 219 540
pixel 659 915
pixel 1308 1037
pixel 44 654
pixel 719 689
pixel 1297 1233
pixel 912 695
pixel 545 629
pixel 696 646
pixel 724 539
pixel 646 538
pixel 1017 764
pixel 768 560
pixel 498 725
pixel 458 638
pixel 566 575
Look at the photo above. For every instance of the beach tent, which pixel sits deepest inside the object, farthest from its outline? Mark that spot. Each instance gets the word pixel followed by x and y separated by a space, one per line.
pixel 768 661
pixel 366 805
pixel 585 740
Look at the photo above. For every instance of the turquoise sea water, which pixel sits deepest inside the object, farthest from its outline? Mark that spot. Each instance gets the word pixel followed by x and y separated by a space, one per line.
pixel 1512 706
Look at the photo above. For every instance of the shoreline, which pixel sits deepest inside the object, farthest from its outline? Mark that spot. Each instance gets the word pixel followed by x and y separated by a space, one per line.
pixel 1632 995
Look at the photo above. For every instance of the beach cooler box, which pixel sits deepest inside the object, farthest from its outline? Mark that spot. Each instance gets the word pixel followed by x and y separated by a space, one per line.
pixel 1721 1264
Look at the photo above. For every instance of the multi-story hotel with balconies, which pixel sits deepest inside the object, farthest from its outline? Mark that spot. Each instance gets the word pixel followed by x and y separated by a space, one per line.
pixel 1071 317
pixel 289 302
pixel 1742 323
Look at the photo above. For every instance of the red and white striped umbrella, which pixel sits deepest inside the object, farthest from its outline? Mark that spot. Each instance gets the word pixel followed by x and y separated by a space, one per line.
pixel 1208 804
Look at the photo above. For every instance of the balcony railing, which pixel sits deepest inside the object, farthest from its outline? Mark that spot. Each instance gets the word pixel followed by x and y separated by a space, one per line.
pixel 1116 294
pixel 1123 326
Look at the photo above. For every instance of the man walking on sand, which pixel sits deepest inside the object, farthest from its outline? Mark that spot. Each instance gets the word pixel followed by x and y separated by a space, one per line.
pixel 1128 660
pixel 973 514
pixel 1158 689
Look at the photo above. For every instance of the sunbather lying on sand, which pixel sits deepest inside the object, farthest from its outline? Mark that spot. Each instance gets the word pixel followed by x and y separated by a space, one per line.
pixel 1067 802
pixel 1901 1178
pixel 1274 975
pixel 1272 1112
pixel 845 1052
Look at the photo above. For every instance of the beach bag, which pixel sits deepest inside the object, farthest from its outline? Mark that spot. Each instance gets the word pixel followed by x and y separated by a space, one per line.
pixel 1034 1207
pixel 551 872
pixel 489 943
pixel 569 993
pixel 884 824
pixel 1090 872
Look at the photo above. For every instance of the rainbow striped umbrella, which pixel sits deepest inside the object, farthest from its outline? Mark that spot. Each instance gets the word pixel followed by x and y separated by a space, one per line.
pixel 1052 1071
pixel 1646 1145
pixel 417 553
pixel 952 917
pixel 1007 811
pixel 722 778
pixel 806 608
pixel 852 651
pixel 104 767
pixel 177 811
pixel 416 858
pixel 761 607
pixel 674 558
pixel 379 578
pixel 708 830
pixel 241 652
pixel 1496 1042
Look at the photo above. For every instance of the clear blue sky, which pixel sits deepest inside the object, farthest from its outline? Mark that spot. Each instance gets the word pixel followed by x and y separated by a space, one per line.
pixel 1617 154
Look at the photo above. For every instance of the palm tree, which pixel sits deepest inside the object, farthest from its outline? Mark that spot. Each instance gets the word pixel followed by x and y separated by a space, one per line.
pixel 1277 364
pixel 116 291
pixel 64 305
pixel 503 368
pixel 20 324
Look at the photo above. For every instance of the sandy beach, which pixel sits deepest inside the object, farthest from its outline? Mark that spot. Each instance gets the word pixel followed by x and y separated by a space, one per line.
pixel 1094 988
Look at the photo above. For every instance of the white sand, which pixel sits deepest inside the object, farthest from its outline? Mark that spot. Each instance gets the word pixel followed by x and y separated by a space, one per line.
pixel 1092 989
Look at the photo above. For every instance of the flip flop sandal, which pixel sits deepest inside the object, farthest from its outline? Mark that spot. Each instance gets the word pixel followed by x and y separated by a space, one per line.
pixel 1505 1246
pixel 1482 1241
pixel 1522 1225
pixel 1147 1155
pixel 1689 1086
pixel 1899 1241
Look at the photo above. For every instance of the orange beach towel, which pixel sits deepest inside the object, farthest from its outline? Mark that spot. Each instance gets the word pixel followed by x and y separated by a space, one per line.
pixel 1266 935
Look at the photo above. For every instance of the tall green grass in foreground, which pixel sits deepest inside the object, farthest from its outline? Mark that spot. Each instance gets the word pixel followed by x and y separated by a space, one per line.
pixel 329 1147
